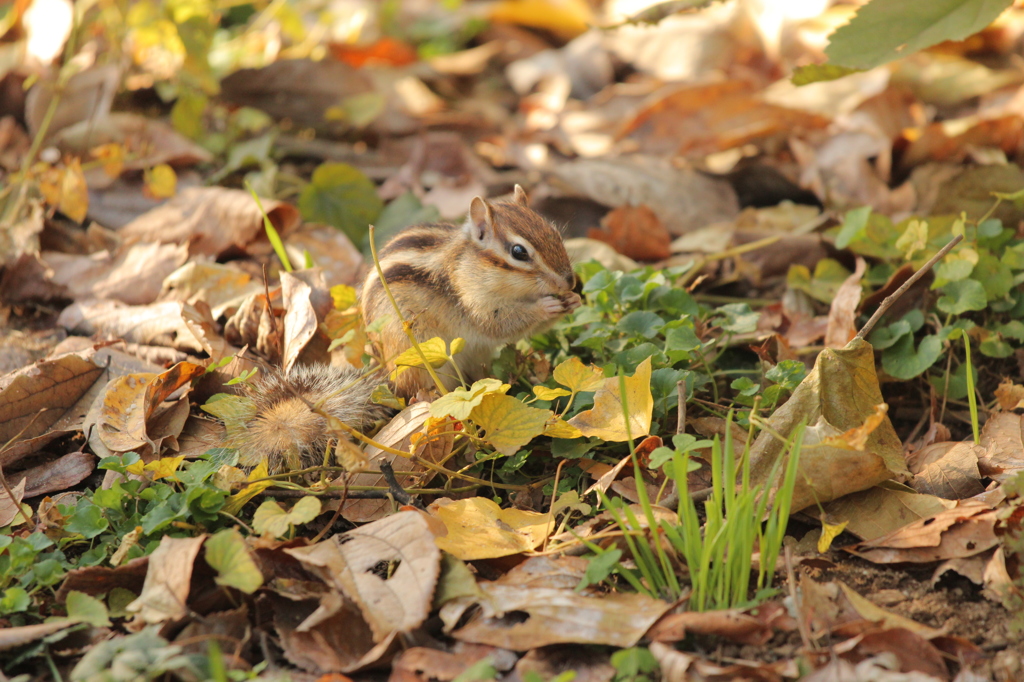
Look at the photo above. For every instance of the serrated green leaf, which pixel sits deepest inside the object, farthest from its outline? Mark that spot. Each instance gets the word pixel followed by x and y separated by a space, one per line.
pixel 884 30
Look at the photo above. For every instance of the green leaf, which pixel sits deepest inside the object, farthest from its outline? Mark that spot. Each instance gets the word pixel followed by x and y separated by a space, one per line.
pixel 854 225
pixel 813 73
pixel 680 342
pixel 228 554
pixel 901 361
pixel 961 297
pixel 884 30
pixel 340 195
pixel 87 520
pixel 85 609
pixel 402 212
pixel 641 323
pixel 995 276
pixel 599 568
pixel 15 600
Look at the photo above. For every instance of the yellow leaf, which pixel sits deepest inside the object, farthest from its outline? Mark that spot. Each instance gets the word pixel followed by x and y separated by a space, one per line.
pixel 460 402
pixel 577 376
pixel 857 437
pixel 164 467
pixel 271 519
pixel 235 503
pixel 562 429
pixel 350 456
pixel 65 189
pixel 344 296
pixel 479 529
pixel 161 181
pixel 112 157
pixel 136 468
pixel 565 18
pixel 545 393
pixel 829 532
pixel 913 239
pixel 606 420
pixel 508 423
pixel 434 349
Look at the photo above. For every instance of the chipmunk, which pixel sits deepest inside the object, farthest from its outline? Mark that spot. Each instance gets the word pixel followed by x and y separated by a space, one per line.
pixel 501 276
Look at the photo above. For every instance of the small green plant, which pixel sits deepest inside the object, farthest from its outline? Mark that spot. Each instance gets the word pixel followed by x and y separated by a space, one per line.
pixel 130 517
pixel 635 665
pixel 742 517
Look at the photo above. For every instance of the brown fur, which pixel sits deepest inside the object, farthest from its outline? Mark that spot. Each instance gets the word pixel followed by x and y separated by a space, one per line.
pixel 285 431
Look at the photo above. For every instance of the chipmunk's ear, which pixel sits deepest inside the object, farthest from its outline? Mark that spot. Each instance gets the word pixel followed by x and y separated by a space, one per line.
pixel 480 224
pixel 519 196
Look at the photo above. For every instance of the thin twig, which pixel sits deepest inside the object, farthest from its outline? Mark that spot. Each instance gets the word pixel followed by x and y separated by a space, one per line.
pixel 394 487
pixel 896 295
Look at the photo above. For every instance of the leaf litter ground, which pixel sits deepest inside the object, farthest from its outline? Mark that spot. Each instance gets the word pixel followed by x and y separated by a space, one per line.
pixel 747 284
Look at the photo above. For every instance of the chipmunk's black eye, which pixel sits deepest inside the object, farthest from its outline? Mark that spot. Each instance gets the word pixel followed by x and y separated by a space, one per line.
pixel 519 252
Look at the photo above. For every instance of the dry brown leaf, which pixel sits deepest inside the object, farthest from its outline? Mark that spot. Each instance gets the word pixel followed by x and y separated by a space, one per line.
pixel 97 580
pixel 1002 437
pixel 683 199
pixel 389 568
pixel 883 509
pixel 61 474
pixel 165 593
pixel 132 405
pixel 10 507
pixel 256 324
pixel 839 394
pixel 677 666
pixel 948 470
pixel 37 403
pixel 1010 395
pixel 842 314
pixel 325 634
pixel 153 324
pixel 962 531
pixel 518 618
pixel 747 626
pixel 332 252
pixel 221 286
pixel 213 221
pixel 636 232
pixel 702 119
pixel 134 275
pixel 307 301
pixel 147 142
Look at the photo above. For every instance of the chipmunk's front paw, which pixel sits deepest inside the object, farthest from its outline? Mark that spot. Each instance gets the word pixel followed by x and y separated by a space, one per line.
pixel 556 306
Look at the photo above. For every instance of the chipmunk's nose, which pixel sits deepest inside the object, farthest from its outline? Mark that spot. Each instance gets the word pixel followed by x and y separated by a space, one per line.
pixel 571 280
